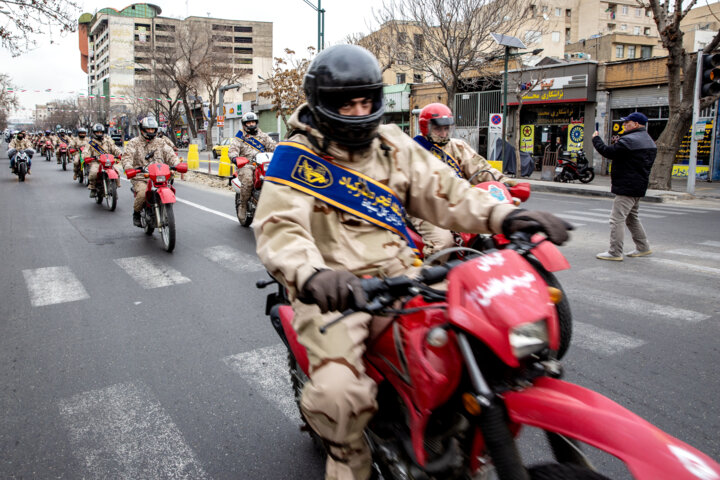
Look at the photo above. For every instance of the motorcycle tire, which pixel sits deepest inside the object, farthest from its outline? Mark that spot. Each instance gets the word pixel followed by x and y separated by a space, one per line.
pixel 111 196
pixel 101 193
pixel 21 171
pixel 563 309
pixel 563 471
pixel 587 177
pixel 147 227
pixel 299 379
pixel 246 220
pixel 81 175
pixel 64 162
pixel 168 226
pixel 47 157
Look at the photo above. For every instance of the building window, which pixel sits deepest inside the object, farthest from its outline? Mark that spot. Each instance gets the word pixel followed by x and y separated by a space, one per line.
pixel 399 78
pixel 221 38
pixel 555 36
pixel 418 78
pixel 620 51
pixel 567 35
pixel 645 52
pixel 647 30
pixel 558 12
pixel 636 30
pixel 244 50
pixel 624 9
pixel 533 36
pixel 631 51
pixel 638 12
pixel 243 29
pixel 623 27
pixel 242 40
pixel 222 28
pixel 568 12
pixel 418 42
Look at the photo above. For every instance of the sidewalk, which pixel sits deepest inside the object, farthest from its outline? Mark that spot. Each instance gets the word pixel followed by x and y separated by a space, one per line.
pixel 600 187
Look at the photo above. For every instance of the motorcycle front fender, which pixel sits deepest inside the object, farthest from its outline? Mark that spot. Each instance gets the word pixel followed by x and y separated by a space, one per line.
pixel 111 174
pixel 166 195
pixel 579 413
pixel 549 255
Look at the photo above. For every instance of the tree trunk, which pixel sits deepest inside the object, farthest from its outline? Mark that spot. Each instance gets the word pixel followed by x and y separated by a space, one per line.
pixel 668 145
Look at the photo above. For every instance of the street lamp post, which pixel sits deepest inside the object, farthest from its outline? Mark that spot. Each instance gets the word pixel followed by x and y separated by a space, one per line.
pixel 321 23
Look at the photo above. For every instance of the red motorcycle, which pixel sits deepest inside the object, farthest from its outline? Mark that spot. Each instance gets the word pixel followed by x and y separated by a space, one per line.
pixel 48 150
pixel 546 258
pixel 261 162
pixel 63 155
pixel 460 372
pixel 159 198
pixel 107 180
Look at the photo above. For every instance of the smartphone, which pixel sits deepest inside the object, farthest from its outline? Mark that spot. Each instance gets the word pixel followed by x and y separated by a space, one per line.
pixel 597 126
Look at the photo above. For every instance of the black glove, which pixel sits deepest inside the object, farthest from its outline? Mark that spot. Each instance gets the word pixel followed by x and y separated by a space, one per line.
pixel 532 221
pixel 333 290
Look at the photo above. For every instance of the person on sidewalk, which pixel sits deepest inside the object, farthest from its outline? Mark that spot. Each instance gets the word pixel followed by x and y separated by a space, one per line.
pixel 633 156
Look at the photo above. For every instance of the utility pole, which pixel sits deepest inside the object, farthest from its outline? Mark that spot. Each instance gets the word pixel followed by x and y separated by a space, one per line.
pixel 222 104
pixel 321 23
pixel 692 161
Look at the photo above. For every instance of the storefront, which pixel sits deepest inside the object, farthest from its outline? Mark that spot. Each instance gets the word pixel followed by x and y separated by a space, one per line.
pixel 556 107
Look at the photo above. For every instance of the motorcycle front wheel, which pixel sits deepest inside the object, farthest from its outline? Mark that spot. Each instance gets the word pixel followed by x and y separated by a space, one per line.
pixel 563 308
pixel 21 171
pixel 64 162
pixel 145 222
pixel 81 175
pixel 111 195
pixel 167 217
pixel 587 177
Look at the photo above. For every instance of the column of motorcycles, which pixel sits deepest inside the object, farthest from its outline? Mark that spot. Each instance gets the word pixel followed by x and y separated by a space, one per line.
pixel 159 197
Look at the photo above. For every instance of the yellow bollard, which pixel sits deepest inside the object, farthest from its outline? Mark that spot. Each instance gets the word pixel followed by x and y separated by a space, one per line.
pixel 496 164
pixel 224 167
pixel 193 157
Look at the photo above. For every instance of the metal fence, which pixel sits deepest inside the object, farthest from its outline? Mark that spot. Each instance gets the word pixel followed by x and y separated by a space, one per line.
pixel 472 115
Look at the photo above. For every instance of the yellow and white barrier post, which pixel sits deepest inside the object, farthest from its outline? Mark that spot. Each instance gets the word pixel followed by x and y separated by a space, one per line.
pixel 193 159
pixel 225 166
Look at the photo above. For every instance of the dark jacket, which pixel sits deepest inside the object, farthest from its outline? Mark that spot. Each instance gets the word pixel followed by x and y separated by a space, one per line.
pixel 632 156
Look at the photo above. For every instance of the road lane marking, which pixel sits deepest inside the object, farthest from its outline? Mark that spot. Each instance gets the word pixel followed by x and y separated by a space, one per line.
pixel 599 340
pixel 582 218
pixel 686 266
pixel 206 209
pixel 657 286
pixel 695 254
pixel 233 259
pixel 122 431
pixel 608 212
pixel 662 210
pixel 52 285
pixel 710 243
pixel 149 272
pixel 635 306
pixel 267 369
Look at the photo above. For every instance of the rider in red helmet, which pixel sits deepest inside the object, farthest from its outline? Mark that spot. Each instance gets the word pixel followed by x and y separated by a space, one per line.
pixel 435 124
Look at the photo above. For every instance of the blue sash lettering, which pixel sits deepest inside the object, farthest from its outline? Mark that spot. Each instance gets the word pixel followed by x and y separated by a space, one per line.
pixel 440 153
pixel 253 142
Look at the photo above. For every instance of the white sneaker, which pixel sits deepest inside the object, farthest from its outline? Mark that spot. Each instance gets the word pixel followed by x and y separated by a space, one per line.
pixel 607 256
pixel 638 253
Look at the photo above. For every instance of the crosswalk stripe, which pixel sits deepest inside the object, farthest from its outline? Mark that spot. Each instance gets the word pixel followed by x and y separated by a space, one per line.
pixel 51 285
pixel 606 342
pixel 582 218
pixel 149 272
pixel 608 212
pixel 710 243
pixel 695 253
pixel 233 259
pixel 267 369
pixel 662 210
pixel 686 266
pixel 122 431
pixel 635 306
pixel 658 285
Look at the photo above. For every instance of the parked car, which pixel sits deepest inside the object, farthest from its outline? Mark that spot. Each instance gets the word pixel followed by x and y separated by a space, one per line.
pixel 217 149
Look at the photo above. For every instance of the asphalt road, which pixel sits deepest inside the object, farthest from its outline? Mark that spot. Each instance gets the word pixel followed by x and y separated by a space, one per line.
pixel 119 360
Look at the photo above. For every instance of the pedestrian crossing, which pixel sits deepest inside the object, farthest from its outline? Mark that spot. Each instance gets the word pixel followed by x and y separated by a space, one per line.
pixel 580 218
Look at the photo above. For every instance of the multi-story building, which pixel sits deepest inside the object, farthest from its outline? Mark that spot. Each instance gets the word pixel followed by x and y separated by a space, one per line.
pixel 41 114
pixel 614 47
pixel 699 26
pixel 118 46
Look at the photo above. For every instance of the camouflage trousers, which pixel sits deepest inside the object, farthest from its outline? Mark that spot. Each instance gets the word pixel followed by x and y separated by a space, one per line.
pixel 140 188
pixel 339 400
pixel 92 175
pixel 76 164
pixel 435 238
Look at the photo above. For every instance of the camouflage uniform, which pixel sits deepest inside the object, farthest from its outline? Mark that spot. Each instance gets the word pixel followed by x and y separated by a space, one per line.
pixel 78 144
pixel 168 142
pixel 135 152
pixel 470 162
pixel 60 140
pixel 109 146
pixel 297 235
pixel 18 146
pixel 238 148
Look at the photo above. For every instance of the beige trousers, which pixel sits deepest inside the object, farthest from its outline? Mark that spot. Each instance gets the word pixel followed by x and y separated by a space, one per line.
pixel 140 187
pixel 625 212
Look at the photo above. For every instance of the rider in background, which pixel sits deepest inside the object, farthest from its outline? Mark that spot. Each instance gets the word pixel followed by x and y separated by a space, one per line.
pixel 99 144
pixel 78 143
pixel 18 144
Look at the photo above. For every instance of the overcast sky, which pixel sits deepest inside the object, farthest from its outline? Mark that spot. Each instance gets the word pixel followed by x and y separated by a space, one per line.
pixel 57 65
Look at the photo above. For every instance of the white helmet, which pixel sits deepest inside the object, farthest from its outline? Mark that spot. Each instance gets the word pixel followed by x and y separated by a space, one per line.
pixel 149 128
pixel 250 117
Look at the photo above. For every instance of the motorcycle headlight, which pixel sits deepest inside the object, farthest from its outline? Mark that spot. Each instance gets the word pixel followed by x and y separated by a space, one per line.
pixel 529 338
pixel 160 178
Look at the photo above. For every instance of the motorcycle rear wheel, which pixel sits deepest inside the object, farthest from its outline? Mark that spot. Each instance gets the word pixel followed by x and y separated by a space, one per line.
pixel 168 226
pixel 587 177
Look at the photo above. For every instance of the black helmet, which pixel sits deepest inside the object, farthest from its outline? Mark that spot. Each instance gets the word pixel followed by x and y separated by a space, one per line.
pixel 149 128
pixel 338 74
pixel 98 131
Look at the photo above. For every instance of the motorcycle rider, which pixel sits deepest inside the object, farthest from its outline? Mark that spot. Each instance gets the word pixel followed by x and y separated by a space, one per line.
pixel 62 138
pixel 311 239
pixel 78 143
pixel 17 144
pixel 435 122
pixel 136 156
pixel 99 144
pixel 248 142
pixel 47 137
pixel 162 135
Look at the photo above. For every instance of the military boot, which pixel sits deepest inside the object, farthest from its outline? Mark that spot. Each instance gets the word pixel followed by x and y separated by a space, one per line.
pixel 136 219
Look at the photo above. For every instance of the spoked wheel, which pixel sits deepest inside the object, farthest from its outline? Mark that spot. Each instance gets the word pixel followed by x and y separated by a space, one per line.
pixel 145 222
pixel 81 175
pixel 167 216
pixel 21 171
pixel 245 220
pixel 64 162
pixel 587 177
pixel 47 156
pixel 111 195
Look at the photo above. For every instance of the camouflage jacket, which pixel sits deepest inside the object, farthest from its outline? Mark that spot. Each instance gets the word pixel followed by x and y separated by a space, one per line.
pixel 238 148
pixel 137 149
pixel 79 143
pixel 472 162
pixel 298 235
pixel 106 144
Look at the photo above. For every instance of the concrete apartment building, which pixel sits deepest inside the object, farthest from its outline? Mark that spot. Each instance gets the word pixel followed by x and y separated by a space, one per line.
pixel 117 47
pixel 700 26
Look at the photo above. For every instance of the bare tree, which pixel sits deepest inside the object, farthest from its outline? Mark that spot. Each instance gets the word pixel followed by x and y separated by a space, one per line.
pixel 380 43
pixel 8 99
pixel 26 19
pixel 286 93
pixel 449 40
pixel 680 65
pixel 64 113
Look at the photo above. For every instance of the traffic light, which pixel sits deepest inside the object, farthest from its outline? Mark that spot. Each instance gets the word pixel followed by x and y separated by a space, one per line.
pixel 710 82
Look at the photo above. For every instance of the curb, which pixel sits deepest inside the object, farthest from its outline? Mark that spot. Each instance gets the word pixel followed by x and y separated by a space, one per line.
pixel 540 186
